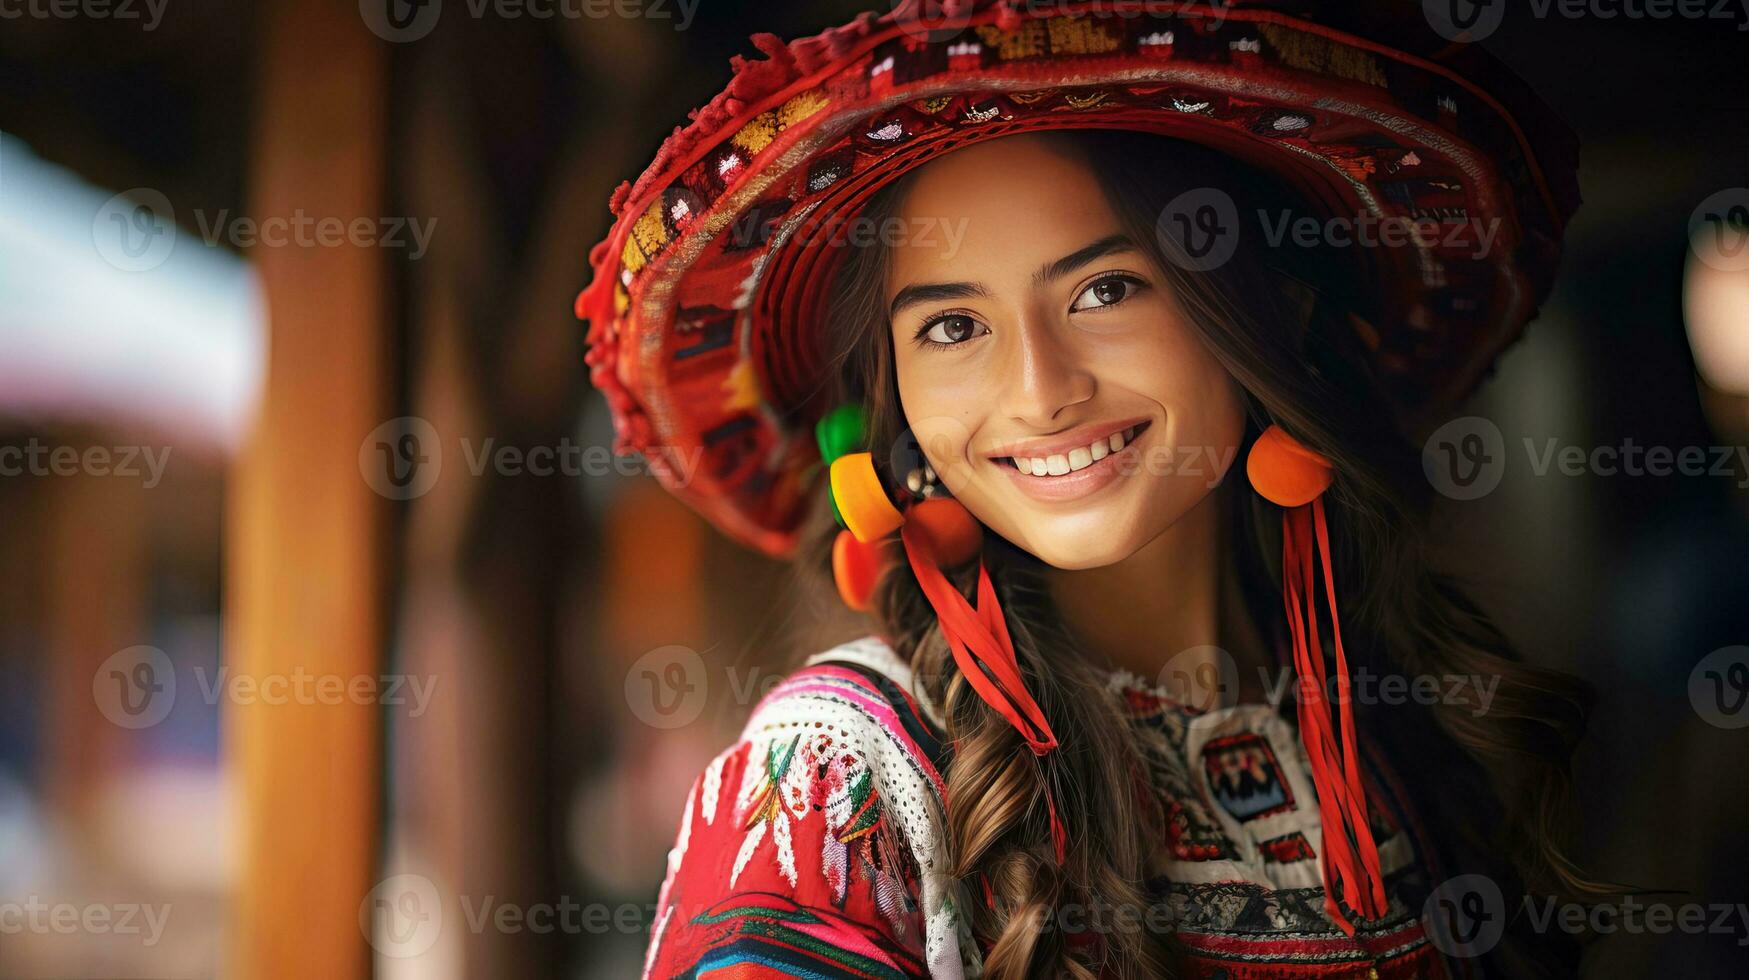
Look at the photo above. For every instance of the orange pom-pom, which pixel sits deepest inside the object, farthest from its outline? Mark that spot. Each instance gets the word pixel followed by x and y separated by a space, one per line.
pixel 861 500
pixel 856 567
pixel 1285 472
pixel 953 532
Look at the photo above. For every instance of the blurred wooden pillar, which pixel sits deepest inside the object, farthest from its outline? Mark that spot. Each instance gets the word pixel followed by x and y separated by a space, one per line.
pixel 95 586
pixel 305 572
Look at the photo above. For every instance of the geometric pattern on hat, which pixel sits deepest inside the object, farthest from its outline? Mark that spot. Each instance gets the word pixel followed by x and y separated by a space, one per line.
pixel 708 297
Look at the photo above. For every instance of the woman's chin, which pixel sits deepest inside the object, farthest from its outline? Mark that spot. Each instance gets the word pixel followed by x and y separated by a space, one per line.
pixel 1091 544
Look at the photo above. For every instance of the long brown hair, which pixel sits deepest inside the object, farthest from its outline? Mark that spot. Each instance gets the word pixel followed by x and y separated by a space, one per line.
pixel 1277 318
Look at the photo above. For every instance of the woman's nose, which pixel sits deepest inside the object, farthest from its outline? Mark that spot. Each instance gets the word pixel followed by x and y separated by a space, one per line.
pixel 1046 375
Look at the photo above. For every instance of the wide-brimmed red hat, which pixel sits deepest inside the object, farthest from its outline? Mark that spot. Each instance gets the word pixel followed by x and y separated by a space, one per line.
pixel 706 312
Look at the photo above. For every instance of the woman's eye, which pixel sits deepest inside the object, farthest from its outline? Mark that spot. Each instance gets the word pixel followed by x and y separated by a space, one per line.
pixel 950 330
pixel 1109 291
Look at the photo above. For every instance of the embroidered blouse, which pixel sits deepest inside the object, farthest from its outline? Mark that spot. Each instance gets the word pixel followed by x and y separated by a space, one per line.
pixel 815 846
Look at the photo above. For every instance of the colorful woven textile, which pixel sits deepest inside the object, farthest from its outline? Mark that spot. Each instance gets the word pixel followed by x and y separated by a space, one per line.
pixel 813 847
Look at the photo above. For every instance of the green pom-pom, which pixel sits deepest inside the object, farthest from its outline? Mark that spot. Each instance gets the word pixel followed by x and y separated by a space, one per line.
pixel 842 430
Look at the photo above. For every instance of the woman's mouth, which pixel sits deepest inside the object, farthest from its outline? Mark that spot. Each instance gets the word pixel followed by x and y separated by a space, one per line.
pixel 1073 471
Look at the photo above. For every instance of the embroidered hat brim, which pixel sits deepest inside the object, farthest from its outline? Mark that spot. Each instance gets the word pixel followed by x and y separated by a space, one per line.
pixel 706 308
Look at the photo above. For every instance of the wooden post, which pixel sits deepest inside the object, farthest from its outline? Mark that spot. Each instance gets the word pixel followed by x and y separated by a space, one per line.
pixel 305 572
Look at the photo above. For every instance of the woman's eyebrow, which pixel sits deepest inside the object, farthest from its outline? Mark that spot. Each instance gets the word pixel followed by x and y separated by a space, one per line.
pixel 1108 245
pixel 934 292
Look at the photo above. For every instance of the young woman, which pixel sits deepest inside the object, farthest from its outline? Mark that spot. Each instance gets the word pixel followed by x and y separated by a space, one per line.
pixel 1122 478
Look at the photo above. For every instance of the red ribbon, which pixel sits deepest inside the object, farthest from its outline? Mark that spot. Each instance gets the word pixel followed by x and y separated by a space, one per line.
pixel 978 637
pixel 1350 855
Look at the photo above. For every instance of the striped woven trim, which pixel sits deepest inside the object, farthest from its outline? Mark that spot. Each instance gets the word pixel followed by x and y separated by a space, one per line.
pixel 770 936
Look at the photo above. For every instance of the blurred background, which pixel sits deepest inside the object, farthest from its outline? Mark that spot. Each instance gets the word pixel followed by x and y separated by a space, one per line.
pixel 333 640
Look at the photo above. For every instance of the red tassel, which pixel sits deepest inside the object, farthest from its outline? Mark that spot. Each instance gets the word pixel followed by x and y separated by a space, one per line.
pixel 1059 835
pixel 978 637
pixel 1350 855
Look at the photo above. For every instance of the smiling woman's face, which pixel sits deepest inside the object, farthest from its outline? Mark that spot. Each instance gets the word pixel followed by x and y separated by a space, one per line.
pixel 1053 381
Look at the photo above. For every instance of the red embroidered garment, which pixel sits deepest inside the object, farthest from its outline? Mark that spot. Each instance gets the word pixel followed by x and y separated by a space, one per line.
pixel 813 846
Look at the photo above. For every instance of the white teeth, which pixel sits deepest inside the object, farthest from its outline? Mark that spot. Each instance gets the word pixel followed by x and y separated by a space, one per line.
pixel 1078 458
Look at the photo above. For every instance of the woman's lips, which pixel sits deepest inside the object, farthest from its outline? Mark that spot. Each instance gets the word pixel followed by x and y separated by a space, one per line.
pixel 1077 472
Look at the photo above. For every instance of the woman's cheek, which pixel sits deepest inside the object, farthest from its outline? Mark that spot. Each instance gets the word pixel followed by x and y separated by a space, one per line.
pixel 939 417
pixel 943 385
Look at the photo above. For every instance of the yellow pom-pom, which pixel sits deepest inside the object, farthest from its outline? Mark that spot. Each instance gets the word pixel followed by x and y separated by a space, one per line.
pixel 861 499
